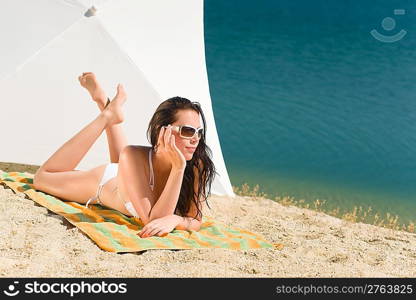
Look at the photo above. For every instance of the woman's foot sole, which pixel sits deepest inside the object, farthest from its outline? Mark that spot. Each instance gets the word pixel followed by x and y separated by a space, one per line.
pixel 90 83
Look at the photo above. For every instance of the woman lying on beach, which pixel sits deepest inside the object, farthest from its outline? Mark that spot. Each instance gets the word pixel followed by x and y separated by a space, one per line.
pixel 165 185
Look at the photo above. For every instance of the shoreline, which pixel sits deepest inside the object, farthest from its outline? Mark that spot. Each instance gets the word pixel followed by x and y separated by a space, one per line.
pixel 34 241
pixel 363 213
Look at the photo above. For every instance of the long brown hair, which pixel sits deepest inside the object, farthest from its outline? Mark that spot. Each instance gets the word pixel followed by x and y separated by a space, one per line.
pixel 166 114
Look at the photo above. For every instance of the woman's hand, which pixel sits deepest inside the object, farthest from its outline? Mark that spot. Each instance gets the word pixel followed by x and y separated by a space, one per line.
pixel 167 147
pixel 160 227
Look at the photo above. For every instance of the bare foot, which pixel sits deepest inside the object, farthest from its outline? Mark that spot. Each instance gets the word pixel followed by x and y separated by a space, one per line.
pixel 89 81
pixel 113 111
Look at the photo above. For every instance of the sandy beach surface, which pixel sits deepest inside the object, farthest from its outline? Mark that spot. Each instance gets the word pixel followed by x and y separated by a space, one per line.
pixel 35 242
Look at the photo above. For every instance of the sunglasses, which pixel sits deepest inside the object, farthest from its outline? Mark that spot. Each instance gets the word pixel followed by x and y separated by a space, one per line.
pixel 188 132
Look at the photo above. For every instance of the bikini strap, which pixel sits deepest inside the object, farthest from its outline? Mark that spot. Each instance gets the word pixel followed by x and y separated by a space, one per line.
pixel 152 178
pixel 96 197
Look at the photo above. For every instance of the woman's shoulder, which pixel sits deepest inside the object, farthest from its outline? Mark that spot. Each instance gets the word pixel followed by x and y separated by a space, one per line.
pixel 139 151
pixel 140 148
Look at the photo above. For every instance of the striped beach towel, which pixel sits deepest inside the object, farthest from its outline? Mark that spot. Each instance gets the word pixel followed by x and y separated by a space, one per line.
pixel 115 232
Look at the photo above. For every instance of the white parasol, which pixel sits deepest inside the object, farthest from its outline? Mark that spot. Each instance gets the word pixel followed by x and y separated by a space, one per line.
pixel 154 48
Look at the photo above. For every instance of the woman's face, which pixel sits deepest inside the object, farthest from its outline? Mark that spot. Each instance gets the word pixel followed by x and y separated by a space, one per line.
pixel 187 146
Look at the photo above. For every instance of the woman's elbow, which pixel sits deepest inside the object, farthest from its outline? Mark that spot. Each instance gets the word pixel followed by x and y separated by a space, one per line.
pixel 145 221
pixel 196 226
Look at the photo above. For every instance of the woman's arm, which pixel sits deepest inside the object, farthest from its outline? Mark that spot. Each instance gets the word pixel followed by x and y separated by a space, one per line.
pixel 167 223
pixel 191 221
pixel 168 200
pixel 188 223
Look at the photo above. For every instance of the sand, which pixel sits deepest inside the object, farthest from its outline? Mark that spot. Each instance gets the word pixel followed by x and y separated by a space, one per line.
pixel 35 242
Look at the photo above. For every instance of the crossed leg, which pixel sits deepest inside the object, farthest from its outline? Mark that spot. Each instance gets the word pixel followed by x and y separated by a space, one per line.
pixel 115 136
pixel 57 175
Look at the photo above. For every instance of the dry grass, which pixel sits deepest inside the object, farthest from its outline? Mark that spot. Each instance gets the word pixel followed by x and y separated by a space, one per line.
pixel 357 214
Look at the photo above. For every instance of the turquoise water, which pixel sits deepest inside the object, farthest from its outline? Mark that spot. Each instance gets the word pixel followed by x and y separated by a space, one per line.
pixel 309 104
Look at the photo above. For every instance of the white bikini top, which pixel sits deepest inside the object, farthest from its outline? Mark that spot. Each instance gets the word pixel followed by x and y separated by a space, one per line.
pixel 152 176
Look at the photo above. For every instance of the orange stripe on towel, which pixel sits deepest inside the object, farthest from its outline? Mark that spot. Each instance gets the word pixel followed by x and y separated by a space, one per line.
pixel 102 241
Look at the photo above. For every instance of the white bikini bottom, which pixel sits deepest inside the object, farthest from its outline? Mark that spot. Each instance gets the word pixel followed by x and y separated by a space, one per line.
pixel 110 172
